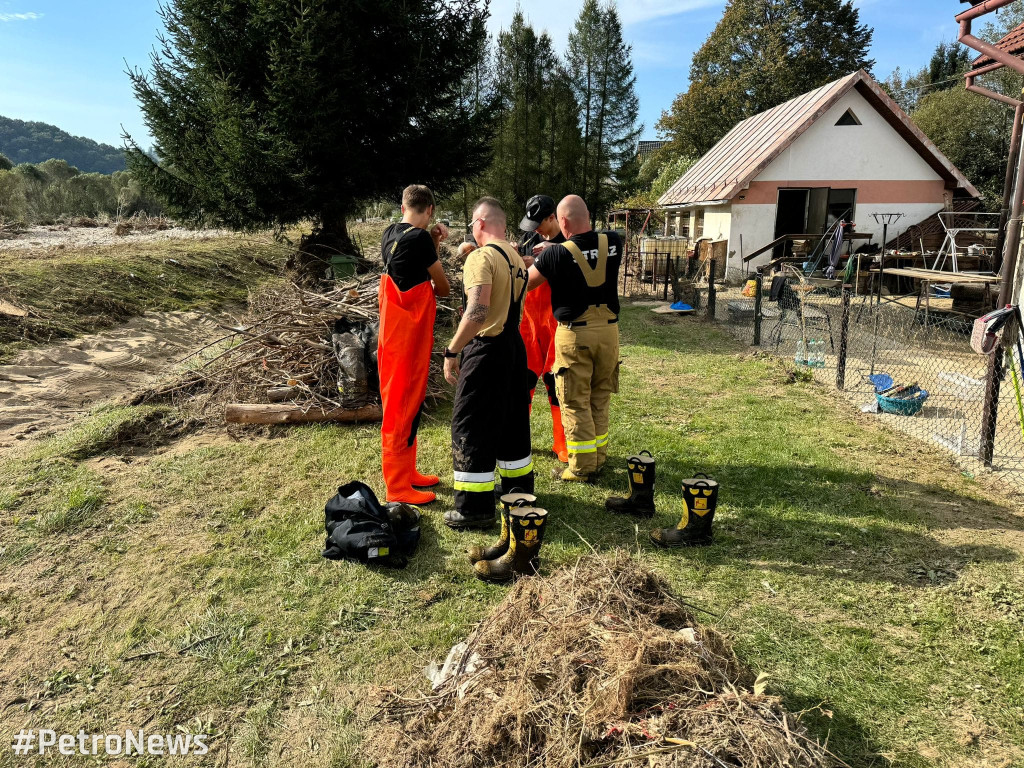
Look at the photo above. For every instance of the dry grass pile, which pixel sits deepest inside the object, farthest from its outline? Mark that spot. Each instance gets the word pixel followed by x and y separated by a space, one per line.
pixel 597 665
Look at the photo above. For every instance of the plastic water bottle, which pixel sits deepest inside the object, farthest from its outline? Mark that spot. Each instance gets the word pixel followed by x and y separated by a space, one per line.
pixel 802 354
pixel 819 353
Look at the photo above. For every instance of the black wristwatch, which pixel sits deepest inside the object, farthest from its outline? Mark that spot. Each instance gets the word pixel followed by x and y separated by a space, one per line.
pixel 449 354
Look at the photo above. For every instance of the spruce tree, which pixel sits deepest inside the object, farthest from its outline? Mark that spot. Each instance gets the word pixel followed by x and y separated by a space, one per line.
pixel 537 144
pixel 762 53
pixel 601 69
pixel 271 112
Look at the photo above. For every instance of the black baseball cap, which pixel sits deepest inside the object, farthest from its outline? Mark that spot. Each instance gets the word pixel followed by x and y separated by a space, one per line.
pixel 538 208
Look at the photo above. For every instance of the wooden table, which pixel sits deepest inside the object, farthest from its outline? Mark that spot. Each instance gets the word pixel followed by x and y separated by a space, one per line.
pixel 928 276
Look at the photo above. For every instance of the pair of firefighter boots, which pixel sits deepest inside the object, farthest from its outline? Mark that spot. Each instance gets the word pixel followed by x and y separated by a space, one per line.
pixel 517 552
pixel 700 497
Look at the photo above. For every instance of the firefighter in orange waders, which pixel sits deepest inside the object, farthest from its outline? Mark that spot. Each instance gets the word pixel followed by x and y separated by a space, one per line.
pixel 538 325
pixel 583 275
pixel 412 278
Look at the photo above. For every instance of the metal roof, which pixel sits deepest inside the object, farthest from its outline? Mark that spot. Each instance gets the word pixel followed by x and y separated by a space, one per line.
pixel 1013 44
pixel 754 143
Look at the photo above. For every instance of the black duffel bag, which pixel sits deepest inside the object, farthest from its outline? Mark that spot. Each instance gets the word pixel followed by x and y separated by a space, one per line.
pixel 359 529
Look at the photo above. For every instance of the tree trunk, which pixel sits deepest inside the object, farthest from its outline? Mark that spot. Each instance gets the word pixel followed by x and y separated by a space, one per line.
pixel 312 261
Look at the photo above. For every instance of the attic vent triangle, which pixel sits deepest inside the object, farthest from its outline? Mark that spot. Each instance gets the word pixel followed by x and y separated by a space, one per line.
pixel 848 118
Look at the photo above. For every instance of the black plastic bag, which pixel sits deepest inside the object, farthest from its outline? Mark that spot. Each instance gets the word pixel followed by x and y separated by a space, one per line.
pixel 355 348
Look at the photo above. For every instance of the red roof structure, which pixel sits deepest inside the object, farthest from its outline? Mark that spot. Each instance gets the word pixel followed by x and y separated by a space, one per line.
pixel 754 143
pixel 1013 44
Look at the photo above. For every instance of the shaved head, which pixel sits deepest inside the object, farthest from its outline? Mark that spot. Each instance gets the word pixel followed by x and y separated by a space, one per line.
pixel 573 216
pixel 493 222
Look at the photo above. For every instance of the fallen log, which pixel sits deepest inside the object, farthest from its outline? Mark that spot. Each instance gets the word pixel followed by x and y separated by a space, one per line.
pixel 244 413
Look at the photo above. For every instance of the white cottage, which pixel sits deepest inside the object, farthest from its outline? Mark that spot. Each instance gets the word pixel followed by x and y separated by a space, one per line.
pixel 845 150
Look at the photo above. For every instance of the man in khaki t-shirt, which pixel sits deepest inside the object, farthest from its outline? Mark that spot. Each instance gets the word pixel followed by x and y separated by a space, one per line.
pixel 491 417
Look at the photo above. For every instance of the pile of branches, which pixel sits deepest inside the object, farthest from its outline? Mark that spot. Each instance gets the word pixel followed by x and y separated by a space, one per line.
pixel 597 665
pixel 282 351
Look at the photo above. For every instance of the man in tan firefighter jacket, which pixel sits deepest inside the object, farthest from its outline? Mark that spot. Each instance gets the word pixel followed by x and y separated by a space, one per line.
pixel 583 275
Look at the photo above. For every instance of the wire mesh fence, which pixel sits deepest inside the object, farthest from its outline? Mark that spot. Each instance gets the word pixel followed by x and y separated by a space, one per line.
pixel 911 365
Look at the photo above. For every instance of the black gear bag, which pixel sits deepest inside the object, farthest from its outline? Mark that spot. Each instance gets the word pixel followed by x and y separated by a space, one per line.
pixel 360 530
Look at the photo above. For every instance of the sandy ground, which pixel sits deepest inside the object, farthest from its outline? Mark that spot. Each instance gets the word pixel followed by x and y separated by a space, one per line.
pixel 63 236
pixel 46 387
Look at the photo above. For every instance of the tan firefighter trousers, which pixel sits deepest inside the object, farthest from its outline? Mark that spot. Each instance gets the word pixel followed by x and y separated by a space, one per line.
pixel 586 374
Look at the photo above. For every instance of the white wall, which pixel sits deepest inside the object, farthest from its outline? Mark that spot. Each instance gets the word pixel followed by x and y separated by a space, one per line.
pixel 871 151
pixel 756 223
pixel 716 222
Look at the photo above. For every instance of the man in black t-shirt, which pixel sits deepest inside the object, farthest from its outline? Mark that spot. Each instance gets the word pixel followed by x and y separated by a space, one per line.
pixel 583 275
pixel 412 278
pixel 538 325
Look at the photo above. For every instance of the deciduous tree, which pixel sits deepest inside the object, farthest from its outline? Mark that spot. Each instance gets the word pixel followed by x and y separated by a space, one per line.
pixel 762 53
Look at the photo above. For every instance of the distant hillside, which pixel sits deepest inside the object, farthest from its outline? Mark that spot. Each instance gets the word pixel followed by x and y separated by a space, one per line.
pixel 24 142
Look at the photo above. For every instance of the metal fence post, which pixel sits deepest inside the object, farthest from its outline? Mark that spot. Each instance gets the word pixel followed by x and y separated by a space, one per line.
pixel 990 409
pixel 757 310
pixel 711 290
pixel 844 334
pixel 665 293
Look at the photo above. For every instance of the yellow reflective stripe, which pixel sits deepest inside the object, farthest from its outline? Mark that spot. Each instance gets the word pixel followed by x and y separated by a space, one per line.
pixel 583 448
pixel 518 472
pixel 473 487
pixel 517 464
pixel 602 440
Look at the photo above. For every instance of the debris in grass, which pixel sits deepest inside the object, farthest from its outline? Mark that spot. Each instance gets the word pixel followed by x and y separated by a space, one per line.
pixel 596 665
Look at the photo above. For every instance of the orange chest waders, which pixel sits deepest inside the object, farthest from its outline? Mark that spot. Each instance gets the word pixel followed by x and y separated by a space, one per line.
pixel 538 331
pixel 405 341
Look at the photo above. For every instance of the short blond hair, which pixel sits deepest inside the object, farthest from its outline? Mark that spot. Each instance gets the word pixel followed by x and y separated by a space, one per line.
pixel 418 197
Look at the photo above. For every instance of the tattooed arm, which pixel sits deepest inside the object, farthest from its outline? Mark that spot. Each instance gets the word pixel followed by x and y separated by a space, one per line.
pixel 478 301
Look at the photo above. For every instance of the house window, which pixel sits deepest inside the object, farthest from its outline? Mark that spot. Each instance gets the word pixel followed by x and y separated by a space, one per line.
pixel 698 226
pixel 848 118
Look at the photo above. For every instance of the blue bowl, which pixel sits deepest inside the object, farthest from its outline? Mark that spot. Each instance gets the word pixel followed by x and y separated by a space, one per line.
pixel 908 404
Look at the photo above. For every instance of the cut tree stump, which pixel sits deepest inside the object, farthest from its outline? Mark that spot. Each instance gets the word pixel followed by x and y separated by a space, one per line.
pixel 243 413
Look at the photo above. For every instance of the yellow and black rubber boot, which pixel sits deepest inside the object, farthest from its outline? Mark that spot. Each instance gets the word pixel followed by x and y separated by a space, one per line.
pixel 499 548
pixel 700 498
pixel 640 471
pixel 526 533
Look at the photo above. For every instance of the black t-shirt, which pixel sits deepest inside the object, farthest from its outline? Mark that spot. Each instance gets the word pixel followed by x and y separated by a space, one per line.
pixel 570 294
pixel 532 239
pixel 407 255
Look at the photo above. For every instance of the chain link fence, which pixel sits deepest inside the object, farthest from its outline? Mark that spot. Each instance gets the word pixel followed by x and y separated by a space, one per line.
pixel 905 361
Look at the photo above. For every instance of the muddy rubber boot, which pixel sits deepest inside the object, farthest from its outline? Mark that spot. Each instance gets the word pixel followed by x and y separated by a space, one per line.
pixel 526 534
pixel 700 497
pixel 640 502
pixel 500 547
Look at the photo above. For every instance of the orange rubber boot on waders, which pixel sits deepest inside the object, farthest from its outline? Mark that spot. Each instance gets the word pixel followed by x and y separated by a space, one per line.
pixel 399 471
pixel 420 480
pixel 558 448
pixel 526 533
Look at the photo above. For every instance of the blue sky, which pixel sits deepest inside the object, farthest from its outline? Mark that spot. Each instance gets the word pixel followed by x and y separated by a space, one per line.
pixel 63 61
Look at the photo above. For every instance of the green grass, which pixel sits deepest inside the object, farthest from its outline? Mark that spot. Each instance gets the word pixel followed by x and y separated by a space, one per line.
pixel 876 586
pixel 71 292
